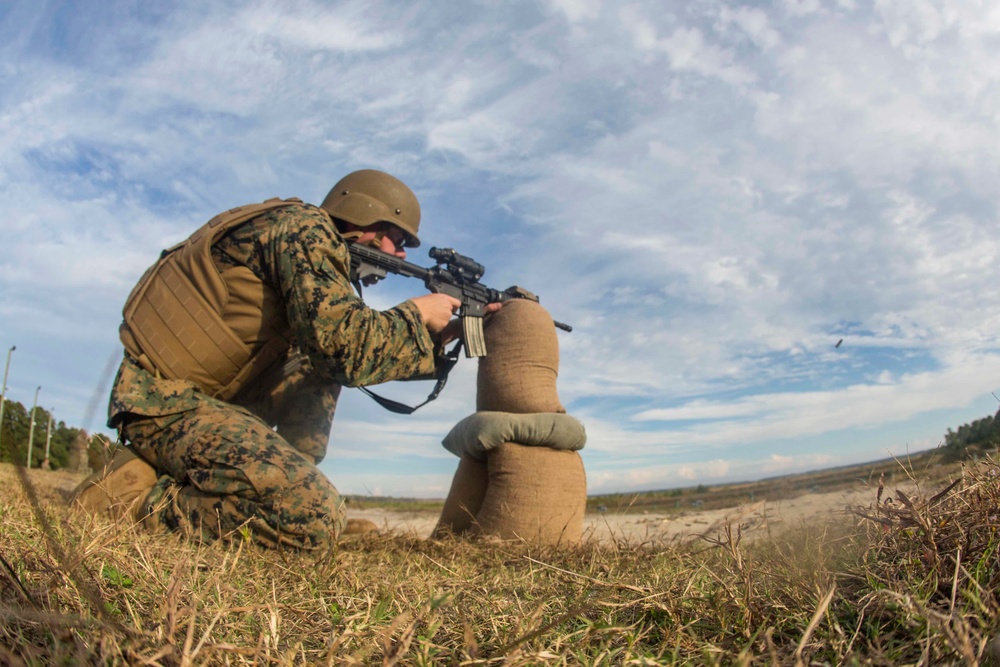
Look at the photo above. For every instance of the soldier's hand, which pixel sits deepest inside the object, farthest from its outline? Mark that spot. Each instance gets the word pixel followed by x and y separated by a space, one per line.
pixel 436 310
pixel 454 329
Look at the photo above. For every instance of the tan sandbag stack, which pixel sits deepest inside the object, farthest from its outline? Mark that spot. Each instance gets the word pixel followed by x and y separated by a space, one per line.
pixel 525 490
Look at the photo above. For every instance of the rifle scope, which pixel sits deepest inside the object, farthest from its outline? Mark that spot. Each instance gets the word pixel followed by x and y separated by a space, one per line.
pixel 466 266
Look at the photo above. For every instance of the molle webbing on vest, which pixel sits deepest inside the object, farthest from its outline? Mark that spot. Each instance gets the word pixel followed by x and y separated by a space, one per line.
pixel 174 325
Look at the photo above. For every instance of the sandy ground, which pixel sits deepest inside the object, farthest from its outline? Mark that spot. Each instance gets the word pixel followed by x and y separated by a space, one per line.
pixel 652 527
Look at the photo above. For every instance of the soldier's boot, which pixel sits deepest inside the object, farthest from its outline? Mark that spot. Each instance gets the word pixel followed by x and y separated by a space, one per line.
pixel 120 489
pixel 358 526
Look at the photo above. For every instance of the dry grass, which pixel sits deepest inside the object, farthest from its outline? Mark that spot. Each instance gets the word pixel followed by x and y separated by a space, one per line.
pixel 911 582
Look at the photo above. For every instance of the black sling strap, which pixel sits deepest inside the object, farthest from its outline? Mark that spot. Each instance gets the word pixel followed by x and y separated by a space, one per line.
pixel 444 366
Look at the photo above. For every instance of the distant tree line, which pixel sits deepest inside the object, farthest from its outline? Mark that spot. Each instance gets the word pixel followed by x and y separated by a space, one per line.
pixel 69 447
pixel 973 438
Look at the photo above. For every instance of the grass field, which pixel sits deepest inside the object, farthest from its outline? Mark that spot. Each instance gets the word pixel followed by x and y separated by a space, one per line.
pixel 909 582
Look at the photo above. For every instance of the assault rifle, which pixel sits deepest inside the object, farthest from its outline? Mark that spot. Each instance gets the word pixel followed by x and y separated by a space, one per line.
pixel 455 275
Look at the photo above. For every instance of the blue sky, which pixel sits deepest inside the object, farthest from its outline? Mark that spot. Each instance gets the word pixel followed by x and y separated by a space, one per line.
pixel 712 193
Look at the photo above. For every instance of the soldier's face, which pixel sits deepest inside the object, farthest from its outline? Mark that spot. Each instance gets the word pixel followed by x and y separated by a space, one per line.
pixel 391 241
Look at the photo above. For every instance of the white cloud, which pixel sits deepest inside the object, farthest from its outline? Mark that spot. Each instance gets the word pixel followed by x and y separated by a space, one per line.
pixel 755 23
pixel 686 49
pixel 577 11
pixel 779 464
pixel 699 410
pixel 315 26
pixel 801 7
pixel 786 415
pixel 478 137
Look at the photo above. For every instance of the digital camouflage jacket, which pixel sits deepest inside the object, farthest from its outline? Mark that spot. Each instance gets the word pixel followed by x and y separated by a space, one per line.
pixel 298 252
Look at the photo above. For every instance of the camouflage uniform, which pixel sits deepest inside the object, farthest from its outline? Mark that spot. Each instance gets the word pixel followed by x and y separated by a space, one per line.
pixel 252 461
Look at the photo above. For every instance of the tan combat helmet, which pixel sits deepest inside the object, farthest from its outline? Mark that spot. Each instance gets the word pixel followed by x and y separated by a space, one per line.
pixel 368 196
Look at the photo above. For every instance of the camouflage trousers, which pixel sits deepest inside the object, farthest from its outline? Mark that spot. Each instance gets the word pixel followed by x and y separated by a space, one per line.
pixel 224 471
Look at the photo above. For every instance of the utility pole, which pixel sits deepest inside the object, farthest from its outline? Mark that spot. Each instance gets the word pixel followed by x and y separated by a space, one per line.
pixel 3 391
pixel 48 442
pixel 31 431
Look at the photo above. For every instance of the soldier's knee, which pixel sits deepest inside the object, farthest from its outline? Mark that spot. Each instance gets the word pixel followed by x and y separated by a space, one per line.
pixel 279 478
pixel 316 509
pixel 333 518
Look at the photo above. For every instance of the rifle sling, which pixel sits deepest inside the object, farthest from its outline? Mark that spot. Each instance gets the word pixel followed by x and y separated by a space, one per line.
pixel 445 364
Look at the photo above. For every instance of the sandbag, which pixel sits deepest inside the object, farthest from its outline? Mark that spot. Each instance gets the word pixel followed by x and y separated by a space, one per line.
pixel 534 494
pixel 483 431
pixel 518 373
pixel 468 488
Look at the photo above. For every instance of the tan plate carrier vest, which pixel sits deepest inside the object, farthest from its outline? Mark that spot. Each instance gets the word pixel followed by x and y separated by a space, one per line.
pixel 187 321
